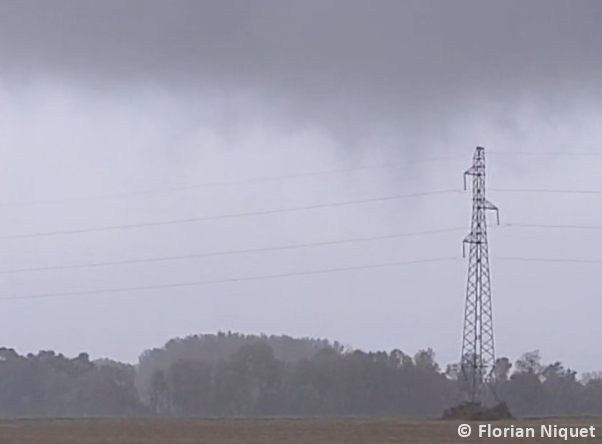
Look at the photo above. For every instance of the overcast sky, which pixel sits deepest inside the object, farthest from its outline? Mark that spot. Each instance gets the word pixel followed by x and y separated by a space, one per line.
pixel 106 106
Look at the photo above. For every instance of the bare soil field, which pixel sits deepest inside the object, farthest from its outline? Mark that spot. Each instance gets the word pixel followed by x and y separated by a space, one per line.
pixel 273 431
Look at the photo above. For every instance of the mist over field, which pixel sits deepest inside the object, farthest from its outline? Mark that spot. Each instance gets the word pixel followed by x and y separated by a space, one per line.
pixel 231 375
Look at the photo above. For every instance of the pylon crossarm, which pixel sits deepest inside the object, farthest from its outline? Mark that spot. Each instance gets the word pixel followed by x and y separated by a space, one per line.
pixel 467 173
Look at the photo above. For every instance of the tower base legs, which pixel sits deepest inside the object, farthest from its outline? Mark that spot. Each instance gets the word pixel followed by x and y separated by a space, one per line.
pixel 472 411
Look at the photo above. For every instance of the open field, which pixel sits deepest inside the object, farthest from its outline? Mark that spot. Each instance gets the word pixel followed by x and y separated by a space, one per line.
pixel 268 431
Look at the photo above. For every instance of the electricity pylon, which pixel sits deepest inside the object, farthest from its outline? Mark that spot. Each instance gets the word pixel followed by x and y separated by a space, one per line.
pixel 478 352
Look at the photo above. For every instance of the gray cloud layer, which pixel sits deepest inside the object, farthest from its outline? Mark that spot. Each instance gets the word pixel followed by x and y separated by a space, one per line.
pixel 326 60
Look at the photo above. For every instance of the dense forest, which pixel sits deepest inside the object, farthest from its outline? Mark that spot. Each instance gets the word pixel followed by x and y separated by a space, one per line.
pixel 231 374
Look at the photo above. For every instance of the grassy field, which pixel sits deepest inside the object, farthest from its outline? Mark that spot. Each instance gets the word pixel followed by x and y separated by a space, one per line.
pixel 270 431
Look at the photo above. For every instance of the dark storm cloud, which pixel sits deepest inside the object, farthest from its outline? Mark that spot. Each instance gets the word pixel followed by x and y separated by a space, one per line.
pixel 326 58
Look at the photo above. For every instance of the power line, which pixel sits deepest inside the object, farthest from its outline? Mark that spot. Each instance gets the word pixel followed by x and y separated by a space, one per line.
pixel 228 253
pixel 558 191
pixel 538 259
pixel 547 153
pixel 576 227
pixel 225 281
pixel 230 216
pixel 280 178
pixel 274 276
pixel 287 177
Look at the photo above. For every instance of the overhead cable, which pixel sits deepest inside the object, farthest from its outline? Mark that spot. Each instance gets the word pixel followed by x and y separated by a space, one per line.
pixel 230 216
pixel 229 252
pixel 228 280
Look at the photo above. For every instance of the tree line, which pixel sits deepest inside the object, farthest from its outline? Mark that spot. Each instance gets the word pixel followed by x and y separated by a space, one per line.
pixel 234 375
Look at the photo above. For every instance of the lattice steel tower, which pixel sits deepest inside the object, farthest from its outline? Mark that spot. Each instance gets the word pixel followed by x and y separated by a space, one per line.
pixel 478 352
